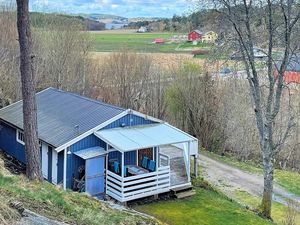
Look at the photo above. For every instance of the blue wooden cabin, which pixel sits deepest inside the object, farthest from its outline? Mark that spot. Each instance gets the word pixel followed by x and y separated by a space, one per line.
pixel 91 146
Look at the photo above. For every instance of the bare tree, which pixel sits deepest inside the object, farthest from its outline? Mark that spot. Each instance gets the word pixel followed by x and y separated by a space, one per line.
pixel 279 18
pixel 33 169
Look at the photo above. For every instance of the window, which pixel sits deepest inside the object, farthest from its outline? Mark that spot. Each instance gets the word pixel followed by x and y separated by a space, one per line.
pixel 20 137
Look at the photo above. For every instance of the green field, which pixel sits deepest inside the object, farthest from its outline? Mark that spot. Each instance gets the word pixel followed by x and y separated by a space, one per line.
pixel 111 42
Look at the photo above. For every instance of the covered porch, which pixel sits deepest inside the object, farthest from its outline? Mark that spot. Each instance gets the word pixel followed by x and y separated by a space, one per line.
pixel 137 163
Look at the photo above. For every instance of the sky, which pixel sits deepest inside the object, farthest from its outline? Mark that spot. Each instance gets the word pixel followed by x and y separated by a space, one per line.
pixel 126 8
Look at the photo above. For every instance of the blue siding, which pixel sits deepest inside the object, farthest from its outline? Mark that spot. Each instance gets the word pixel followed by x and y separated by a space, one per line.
pixel 130 158
pixel 9 144
pixel 129 120
pixel 115 155
pixel 73 161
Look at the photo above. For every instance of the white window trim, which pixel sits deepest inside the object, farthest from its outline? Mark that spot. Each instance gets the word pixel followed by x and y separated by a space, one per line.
pixel 17 136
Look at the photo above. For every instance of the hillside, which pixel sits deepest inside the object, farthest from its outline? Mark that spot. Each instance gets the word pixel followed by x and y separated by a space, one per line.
pixel 55 203
pixel 42 20
pixel 99 16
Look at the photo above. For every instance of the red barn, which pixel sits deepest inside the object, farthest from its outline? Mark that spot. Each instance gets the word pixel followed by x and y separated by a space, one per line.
pixel 195 35
pixel 292 73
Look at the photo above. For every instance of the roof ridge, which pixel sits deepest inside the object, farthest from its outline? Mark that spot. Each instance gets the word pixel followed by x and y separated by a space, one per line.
pixel 84 97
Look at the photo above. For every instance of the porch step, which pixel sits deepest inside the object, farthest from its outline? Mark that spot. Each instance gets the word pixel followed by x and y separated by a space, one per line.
pixel 184 188
pixel 185 194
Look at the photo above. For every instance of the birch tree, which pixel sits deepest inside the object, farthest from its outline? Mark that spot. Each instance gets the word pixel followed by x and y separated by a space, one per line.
pixel 278 19
pixel 33 169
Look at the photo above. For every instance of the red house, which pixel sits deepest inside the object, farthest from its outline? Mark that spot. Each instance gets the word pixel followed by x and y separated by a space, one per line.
pixel 195 35
pixel 159 41
pixel 292 73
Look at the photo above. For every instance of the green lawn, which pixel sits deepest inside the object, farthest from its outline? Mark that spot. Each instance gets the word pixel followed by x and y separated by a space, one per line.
pixel 139 42
pixel 207 207
pixel 279 211
pixel 287 179
pixel 53 202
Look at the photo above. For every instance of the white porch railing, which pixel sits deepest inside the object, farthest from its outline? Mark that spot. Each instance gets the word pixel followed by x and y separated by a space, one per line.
pixel 163 160
pixel 135 187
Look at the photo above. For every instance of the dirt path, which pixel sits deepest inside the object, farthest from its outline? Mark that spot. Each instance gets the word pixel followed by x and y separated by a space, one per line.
pixel 230 179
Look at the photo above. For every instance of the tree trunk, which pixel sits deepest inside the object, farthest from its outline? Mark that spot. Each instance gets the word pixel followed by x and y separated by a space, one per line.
pixel 33 169
pixel 266 205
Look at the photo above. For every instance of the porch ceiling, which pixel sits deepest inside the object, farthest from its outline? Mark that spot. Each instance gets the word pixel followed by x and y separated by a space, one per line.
pixel 144 136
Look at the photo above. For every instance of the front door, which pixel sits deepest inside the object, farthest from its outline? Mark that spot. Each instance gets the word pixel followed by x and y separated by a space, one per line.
pixel 45 160
pixel 148 152
pixel 94 175
pixel 54 166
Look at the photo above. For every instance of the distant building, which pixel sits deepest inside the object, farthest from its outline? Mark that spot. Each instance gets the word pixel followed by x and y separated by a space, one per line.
pixel 258 54
pixel 292 73
pixel 210 37
pixel 195 35
pixel 142 30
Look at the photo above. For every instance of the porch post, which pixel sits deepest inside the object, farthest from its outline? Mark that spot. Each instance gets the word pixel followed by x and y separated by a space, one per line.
pixel 156 158
pixel 65 169
pixel 189 162
pixel 106 170
pixel 196 165
pixel 122 165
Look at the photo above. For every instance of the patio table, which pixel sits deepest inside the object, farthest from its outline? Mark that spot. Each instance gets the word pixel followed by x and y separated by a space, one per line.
pixel 136 170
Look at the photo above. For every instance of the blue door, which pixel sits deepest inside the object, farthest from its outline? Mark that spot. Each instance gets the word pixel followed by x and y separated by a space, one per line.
pixel 94 180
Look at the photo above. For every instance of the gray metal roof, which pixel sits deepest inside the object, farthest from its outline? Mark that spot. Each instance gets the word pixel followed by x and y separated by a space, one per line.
pixel 62 116
pixel 143 136
pixel 90 153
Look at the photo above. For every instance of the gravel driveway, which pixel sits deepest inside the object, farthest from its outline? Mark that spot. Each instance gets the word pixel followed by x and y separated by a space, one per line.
pixel 230 179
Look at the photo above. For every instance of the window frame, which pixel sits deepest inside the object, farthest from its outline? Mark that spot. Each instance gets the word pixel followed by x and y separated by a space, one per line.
pixel 17 136
pixel 23 141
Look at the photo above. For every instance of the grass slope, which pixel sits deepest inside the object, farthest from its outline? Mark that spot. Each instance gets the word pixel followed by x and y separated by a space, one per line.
pixel 112 42
pixel 287 179
pixel 55 203
pixel 279 211
pixel 207 207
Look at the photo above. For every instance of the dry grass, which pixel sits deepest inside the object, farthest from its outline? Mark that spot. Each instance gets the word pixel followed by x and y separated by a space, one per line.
pixel 8 215
pixel 167 61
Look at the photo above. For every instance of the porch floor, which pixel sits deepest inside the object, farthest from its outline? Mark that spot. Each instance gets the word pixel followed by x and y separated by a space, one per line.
pixel 178 173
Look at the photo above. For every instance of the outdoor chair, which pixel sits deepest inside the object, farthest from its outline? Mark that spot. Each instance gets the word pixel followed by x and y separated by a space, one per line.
pixel 145 162
pixel 152 165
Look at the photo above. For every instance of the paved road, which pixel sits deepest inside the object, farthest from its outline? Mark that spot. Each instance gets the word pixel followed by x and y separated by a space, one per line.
pixel 229 179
